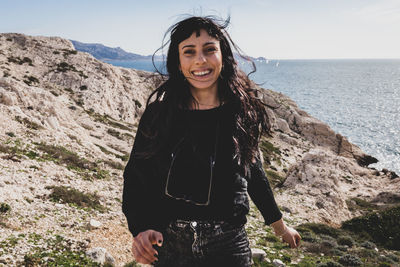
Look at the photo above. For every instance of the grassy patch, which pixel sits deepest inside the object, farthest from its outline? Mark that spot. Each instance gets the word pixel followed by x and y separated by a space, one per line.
pixel 382 227
pixel 57 251
pixel 10 134
pixel 4 207
pixel 64 67
pixel 355 204
pixel 16 152
pixel 137 103
pixel 62 155
pixel 67 52
pixel 119 135
pixel 105 119
pixel 274 178
pixel 29 124
pixel 29 80
pixel 270 152
pixel 319 228
pixel 74 196
pixel 20 61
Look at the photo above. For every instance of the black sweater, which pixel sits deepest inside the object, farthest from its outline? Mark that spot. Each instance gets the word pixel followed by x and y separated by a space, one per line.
pixel 199 138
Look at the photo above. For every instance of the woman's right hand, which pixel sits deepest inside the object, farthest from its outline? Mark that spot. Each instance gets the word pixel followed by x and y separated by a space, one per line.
pixel 142 247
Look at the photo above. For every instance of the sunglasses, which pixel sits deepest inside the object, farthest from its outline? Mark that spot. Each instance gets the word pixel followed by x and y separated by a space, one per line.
pixel 190 175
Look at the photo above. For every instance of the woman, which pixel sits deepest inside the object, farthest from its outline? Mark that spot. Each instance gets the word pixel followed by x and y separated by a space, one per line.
pixel 196 156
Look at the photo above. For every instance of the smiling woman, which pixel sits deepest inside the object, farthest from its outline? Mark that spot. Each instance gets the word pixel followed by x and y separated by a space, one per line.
pixel 196 156
pixel 201 63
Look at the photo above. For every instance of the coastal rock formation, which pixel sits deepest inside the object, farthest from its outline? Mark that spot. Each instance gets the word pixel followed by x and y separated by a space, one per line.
pixel 67 124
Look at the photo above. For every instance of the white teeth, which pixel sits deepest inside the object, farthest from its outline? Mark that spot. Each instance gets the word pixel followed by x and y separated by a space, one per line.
pixel 201 73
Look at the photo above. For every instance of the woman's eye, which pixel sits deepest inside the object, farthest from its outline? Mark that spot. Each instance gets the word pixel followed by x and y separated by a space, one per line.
pixel 211 49
pixel 188 52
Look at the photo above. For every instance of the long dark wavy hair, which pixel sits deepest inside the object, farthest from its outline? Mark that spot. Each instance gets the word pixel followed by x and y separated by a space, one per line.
pixel 234 86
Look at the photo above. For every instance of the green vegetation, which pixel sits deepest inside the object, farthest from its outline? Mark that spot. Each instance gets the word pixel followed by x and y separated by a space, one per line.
pixel 83 88
pixel 105 119
pixel 64 67
pixel 360 204
pixel 62 155
pixel 137 103
pixel 131 264
pixel 119 135
pixel 4 207
pixel 29 80
pixel 54 93
pixel 20 61
pixel 57 253
pixel 270 152
pixel 67 52
pixel 29 124
pixel 16 152
pixel 274 178
pixel 10 134
pixel 382 227
pixel 74 196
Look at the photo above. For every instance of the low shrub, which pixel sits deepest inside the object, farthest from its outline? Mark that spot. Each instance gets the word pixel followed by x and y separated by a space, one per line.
pixel 319 228
pixel 383 227
pixel 74 196
pixel 350 260
pixel 4 207
pixel 346 240
pixel 330 264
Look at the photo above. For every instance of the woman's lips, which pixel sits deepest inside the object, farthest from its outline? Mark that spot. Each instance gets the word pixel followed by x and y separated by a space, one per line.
pixel 201 73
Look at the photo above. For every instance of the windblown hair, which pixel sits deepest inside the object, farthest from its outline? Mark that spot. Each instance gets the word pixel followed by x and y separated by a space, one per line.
pixel 234 86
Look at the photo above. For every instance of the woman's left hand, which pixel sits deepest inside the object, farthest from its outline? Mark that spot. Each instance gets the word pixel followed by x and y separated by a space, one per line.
pixel 292 237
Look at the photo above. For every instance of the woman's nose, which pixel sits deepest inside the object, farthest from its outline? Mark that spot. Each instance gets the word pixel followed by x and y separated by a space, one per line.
pixel 200 58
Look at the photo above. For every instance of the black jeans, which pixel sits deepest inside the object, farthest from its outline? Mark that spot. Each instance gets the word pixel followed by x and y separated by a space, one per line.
pixel 204 244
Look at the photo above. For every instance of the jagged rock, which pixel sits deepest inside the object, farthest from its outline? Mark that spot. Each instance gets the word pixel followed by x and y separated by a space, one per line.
pixel 258 253
pixel 100 255
pixel 282 125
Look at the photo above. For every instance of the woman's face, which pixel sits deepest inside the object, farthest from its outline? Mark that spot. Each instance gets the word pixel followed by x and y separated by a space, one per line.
pixel 201 61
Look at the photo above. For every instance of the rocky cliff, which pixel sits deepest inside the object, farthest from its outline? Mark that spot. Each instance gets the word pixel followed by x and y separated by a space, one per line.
pixel 67 124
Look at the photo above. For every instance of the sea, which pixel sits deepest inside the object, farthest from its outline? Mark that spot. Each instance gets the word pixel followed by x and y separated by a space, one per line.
pixel 358 98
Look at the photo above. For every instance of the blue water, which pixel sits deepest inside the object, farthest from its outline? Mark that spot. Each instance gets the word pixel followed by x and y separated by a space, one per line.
pixel 360 99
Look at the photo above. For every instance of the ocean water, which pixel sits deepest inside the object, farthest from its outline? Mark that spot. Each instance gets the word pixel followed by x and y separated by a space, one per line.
pixel 358 98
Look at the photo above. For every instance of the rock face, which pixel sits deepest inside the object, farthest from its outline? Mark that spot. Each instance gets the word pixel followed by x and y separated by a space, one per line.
pixel 67 122
pixel 322 171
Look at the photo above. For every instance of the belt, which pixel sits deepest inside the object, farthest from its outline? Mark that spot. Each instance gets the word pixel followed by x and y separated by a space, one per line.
pixel 202 224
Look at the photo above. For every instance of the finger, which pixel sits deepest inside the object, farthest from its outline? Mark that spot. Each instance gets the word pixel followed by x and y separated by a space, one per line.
pixel 148 249
pixel 141 256
pixel 298 240
pixel 156 238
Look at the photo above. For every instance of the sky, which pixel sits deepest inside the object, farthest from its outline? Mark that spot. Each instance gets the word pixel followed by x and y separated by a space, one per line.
pixel 274 29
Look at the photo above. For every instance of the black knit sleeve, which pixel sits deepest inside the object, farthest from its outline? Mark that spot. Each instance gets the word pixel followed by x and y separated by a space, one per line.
pixel 136 198
pixel 260 192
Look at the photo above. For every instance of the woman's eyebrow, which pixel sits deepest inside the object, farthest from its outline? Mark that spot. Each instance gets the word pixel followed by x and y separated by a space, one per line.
pixel 191 45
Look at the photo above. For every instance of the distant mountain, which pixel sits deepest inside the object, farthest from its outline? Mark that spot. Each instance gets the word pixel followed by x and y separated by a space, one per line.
pixel 103 52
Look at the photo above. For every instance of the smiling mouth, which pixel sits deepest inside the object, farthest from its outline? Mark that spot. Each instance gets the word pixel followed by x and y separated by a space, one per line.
pixel 201 73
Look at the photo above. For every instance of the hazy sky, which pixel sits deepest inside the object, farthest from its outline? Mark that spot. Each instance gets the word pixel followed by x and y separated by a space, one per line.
pixel 277 29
